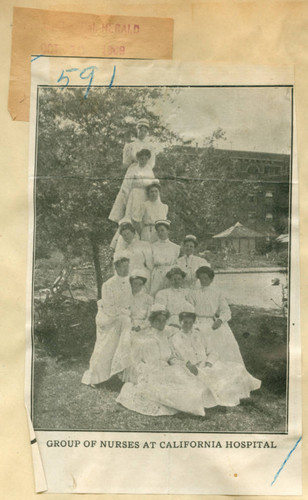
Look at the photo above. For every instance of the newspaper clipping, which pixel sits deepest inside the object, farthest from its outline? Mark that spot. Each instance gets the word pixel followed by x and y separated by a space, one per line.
pixel 163 342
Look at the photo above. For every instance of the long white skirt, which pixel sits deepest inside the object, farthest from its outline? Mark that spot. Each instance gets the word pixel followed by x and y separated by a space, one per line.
pixel 135 204
pixel 158 279
pixel 227 383
pixel 111 350
pixel 149 233
pixel 222 340
pixel 118 210
pixel 164 391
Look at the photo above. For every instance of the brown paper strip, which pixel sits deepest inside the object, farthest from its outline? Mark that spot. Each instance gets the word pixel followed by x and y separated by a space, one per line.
pixel 53 33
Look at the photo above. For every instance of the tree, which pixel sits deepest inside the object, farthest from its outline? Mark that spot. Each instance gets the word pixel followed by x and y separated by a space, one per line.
pixel 78 168
pixel 205 196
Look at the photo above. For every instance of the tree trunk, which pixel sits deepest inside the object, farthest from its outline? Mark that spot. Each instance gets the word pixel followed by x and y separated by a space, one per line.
pixel 97 265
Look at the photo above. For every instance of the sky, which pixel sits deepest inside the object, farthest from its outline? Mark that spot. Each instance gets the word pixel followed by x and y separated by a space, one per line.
pixel 254 119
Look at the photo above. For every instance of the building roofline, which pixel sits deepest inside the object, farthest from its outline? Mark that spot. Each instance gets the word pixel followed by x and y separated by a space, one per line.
pixel 234 152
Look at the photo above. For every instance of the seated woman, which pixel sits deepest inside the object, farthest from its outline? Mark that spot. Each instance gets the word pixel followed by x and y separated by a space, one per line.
pixel 140 308
pixel 213 314
pixel 132 192
pixel 226 382
pixel 189 262
pixel 175 298
pixel 141 302
pixel 160 388
pixel 150 211
pixel 165 254
pixel 138 252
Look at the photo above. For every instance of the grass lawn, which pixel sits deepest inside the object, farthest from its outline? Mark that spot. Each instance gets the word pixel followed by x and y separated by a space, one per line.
pixel 67 404
pixel 62 402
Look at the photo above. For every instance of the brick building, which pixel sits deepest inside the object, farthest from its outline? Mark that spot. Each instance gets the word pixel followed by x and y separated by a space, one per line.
pixel 268 205
pixel 264 204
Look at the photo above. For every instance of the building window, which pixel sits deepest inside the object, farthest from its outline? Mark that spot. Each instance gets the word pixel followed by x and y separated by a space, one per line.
pixel 253 171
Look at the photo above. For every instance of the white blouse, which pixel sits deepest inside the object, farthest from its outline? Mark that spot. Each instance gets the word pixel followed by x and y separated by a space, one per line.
pixel 191 347
pixel 165 253
pixel 175 300
pixel 140 308
pixel 209 302
pixel 131 149
pixel 136 177
pixel 190 265
pixel 116 296
pixel 139 254
pixel 155 348
pixel 153 211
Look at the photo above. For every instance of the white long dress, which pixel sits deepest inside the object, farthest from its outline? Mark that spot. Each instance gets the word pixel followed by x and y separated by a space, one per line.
pixel 131 149
pixel 140 309
pixel 175 300
pixel 210 304
pixel 165 255
pixel 113 326
pixel 140 256
pixel 150 213
pixel 119 244
pixel 190 264
pixel 160 388
pixel 226 382
pixel 132 193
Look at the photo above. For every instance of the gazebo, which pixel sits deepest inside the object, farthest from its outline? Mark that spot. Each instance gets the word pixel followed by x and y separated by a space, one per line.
pixel 283 238
pixel 239 238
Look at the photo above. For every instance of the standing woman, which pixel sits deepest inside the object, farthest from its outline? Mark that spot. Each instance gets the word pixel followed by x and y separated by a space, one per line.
pixel 132 191
pixel 113 326
pixel 165 254
pixel 151 211
pixel 189 262
pixel 118 243
pixel 141 141
pixel 213 314
pixel 138 252
pixel 130 158
pixel 138 177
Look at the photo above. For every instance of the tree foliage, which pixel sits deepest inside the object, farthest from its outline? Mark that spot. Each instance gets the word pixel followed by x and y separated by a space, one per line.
pixel 79 163
pixel 202 191
pixel 79 170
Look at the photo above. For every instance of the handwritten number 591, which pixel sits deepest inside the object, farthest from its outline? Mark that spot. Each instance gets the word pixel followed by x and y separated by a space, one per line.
pixel 85 74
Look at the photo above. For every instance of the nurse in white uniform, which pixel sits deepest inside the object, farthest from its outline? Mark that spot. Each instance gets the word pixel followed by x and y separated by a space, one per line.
pixel 165 254
pixel 189 262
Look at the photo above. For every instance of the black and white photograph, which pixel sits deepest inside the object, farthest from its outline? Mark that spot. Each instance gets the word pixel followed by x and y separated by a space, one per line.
pixel 161 258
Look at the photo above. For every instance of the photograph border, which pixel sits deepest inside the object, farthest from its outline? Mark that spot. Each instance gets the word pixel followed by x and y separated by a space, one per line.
pixel 289 271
